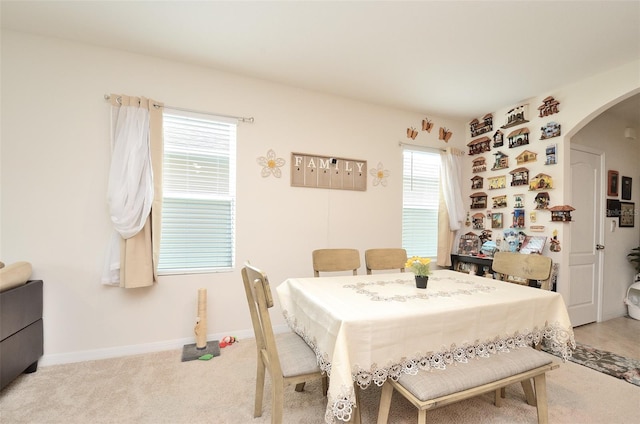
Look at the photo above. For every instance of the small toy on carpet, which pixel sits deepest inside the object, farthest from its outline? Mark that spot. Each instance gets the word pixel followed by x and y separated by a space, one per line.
pixel 228 341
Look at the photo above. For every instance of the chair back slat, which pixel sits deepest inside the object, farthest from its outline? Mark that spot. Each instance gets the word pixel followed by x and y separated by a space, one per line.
pixel 260 299
pixel 332 260
pixel 385 259
pixel 530 267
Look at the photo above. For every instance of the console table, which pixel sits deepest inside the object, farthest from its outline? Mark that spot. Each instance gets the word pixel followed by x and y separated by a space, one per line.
pixel 472 264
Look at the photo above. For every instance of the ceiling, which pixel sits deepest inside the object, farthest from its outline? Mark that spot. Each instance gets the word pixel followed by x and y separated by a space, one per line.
pixel 452 59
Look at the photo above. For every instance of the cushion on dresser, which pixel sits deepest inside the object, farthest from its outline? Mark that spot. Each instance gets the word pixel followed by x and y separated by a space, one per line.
pixel 14 275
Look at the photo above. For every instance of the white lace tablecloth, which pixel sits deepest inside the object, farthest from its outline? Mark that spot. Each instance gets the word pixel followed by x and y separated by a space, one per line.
pixel 368 328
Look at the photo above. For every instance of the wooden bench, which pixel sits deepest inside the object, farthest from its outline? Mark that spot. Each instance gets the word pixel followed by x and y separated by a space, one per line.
pixel 431 389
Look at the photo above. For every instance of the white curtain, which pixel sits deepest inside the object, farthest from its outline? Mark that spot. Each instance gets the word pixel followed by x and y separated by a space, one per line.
pixel 130 193
pixel 452 211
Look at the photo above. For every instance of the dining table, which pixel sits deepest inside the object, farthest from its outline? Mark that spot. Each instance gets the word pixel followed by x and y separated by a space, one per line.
pixel 365 329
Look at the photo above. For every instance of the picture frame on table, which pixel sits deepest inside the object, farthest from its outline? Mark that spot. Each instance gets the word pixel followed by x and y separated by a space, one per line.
pixel 612 183
pixel 627 214
pixel 625 188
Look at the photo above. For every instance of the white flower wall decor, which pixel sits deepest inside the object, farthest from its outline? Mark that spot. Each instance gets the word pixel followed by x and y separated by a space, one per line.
pixel 271 164
pixel 379 175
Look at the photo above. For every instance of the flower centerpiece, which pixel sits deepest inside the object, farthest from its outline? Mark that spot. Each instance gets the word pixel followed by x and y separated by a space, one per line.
pixel 420 267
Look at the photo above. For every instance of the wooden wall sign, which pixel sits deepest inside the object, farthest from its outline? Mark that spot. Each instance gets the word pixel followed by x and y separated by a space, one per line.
pixel 328 172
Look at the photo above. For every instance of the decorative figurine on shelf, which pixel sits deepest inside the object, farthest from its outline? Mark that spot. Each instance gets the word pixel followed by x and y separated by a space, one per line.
pixel 518 137
pixel 561 213
pixel 542 200
pixel 519 176
pixel 501 161
pixel 516 116
pixel 555 243
pixel 500 201
pixel 479 145
pixel 526 157
pixel 478 221
pixel 498 139
pixel 479 165
pixel 477 128
pixel 552 129
pixel 541 182
pixel 478 200
pixel 518 200
pixel 469 244
pixel 485 236
pixel 549 107
pixel 497 182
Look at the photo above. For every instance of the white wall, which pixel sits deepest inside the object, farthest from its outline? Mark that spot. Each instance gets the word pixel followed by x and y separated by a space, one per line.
pixel 55 159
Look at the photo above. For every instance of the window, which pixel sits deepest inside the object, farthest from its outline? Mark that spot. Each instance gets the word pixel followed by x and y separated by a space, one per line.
pixel 420 202
pixel 199 194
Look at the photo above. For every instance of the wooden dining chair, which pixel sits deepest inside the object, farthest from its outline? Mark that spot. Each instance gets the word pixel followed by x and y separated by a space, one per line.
pixel 286 357
pixel 333 260
pixel 524 267
pixel 385 259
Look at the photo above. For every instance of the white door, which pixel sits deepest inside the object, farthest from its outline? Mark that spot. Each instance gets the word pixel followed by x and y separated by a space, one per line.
pixel 585 257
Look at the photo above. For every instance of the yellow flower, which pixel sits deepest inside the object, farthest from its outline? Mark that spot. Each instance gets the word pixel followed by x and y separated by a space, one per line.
pixel 419 266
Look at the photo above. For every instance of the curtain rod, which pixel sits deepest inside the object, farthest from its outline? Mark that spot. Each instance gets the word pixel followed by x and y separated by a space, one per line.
pixel 157 106
pixel 402 143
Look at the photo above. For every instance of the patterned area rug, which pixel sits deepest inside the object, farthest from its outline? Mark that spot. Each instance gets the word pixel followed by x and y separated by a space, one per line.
pixel 607 362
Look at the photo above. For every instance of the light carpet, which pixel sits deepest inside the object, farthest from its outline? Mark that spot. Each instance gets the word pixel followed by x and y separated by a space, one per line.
pixel 159 388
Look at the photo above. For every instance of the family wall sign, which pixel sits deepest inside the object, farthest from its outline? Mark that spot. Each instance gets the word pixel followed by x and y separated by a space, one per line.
pixel 328 172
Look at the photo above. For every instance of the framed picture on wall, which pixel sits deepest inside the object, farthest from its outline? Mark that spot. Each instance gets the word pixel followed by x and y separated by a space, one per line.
pixel 627 214
pixel 625 183
pixel 612 183
pixel 613 208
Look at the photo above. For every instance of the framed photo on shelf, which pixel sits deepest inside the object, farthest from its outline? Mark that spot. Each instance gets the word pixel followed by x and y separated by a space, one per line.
pixel 625 184
pixel 612 183
pixel 627 214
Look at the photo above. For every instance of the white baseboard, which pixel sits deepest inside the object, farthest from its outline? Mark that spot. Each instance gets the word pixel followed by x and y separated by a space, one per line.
pixel 114 352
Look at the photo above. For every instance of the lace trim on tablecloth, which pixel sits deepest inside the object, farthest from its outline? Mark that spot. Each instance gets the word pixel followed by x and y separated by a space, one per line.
pixel 556 338
pixel 365 289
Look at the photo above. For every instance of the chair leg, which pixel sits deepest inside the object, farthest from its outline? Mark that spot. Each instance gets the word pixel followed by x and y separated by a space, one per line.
pixel 497 395
pixel 540 382
pixel 300 387
pixel 528 392
pixel 422 416
pixel 277 402
pixel 260 374
pixel 385 403
pixel 325 385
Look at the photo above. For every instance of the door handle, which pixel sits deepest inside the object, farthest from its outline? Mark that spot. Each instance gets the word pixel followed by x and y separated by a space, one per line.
pixel 599 247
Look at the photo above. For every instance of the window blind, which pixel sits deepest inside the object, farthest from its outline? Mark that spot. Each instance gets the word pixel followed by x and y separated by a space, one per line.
pixel 420 202
pixel 198 211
